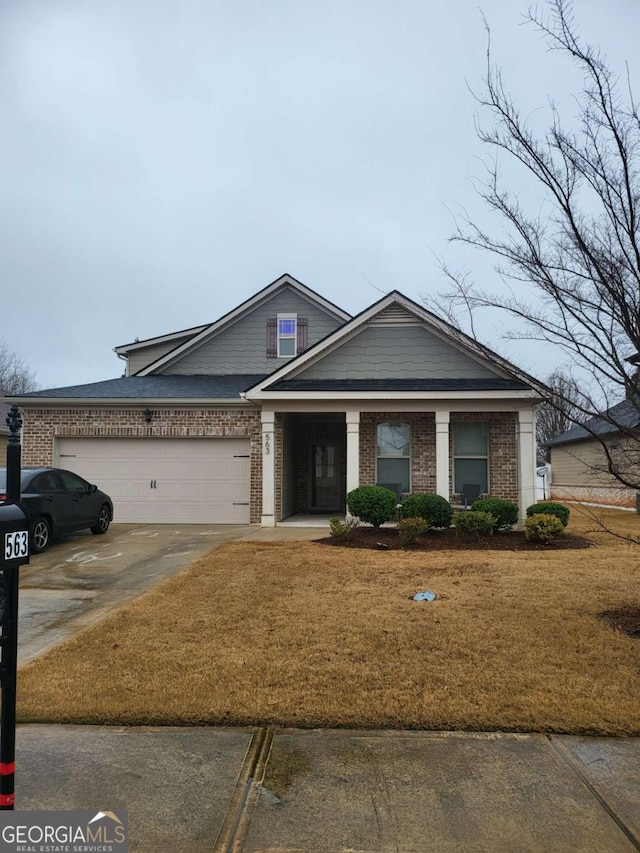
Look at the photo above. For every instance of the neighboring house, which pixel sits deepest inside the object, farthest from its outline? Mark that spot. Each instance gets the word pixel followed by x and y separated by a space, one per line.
pixel 284 405
pixel 4 429
pixel 579 467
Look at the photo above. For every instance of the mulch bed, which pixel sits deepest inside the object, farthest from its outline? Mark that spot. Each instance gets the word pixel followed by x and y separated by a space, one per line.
pixel 386 539
pixel 625 619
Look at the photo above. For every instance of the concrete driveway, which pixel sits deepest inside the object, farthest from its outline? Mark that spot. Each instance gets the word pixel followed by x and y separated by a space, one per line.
pixel 76 581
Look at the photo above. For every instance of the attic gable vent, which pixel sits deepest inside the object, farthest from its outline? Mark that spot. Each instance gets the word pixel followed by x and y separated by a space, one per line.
pixel 395 315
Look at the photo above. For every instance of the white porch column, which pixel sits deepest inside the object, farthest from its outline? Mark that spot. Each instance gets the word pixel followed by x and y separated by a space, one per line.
pixel 353 450
pixel 442 455
pixel 268 468
pixel 526 460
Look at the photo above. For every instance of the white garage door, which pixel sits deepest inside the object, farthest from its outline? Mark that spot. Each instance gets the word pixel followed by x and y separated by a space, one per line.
pixel 165 480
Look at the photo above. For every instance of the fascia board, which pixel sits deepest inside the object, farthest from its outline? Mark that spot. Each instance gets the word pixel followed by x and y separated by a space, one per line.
pixel 128 402
pixel 396 395
pixel 161 339
pixel 232 316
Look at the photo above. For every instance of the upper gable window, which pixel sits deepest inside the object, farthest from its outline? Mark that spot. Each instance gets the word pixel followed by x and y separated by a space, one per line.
pixel 287 335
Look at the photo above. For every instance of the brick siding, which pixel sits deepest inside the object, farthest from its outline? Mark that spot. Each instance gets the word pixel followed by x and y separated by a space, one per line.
pixel 613 497
pixel 503 459
pixel 43 425
pixel 503 472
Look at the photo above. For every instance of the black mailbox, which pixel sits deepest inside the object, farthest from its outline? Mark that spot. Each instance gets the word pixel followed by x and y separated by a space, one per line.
pixel 14 536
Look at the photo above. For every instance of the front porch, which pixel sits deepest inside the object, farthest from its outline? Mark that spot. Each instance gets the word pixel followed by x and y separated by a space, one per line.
pixel 312 459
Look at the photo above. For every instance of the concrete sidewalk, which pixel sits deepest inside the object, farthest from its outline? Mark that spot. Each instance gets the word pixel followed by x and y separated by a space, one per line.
pixel 214 789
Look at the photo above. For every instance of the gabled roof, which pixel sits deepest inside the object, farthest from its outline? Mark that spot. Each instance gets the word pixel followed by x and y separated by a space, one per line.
pixel 624 415
pixel 153 387
pixel 161 339
pixel 263 295
pixel 508 376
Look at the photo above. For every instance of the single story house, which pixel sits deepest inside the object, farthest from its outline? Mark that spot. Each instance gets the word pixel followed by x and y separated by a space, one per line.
pixel 284 405
pixel 579 464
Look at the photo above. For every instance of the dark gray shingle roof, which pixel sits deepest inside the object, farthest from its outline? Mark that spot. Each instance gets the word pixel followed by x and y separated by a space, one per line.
pixel 625 414
pixel 496 384
pixel 131 387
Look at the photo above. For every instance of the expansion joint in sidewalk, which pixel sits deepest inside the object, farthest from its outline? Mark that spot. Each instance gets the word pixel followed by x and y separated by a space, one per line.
pixel 245 795
pixel 568 761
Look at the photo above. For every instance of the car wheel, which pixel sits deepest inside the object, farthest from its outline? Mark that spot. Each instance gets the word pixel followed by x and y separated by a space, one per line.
pixel 104 519
pixel 40 535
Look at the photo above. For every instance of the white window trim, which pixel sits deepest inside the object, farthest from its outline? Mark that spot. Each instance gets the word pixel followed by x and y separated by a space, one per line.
pixel 486 455
pixel 395 455
pixel 287 337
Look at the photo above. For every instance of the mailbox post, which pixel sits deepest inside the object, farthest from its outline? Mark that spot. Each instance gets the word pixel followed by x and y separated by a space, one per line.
pixel 14 552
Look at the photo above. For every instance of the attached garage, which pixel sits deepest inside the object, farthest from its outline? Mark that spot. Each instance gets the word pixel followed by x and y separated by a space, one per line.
pixel 165 480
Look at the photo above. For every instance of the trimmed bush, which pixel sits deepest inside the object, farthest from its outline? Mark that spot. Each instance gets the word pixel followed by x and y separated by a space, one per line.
pixel 474 524
pixel 434 509
pixel 550 508
pixel 372 504
pixel 342 529
pixel 409 529
pixel 542 527
pixel 504 512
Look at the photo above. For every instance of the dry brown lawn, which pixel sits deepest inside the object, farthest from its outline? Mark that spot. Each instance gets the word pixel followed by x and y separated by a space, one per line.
pixel 308 635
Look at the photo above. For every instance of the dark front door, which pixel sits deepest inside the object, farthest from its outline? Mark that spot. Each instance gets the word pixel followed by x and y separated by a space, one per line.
pixel 325 477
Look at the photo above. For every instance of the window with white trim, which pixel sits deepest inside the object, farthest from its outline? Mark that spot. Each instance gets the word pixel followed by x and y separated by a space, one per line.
pixel 393 456
pixel 470 456
pixel 287 335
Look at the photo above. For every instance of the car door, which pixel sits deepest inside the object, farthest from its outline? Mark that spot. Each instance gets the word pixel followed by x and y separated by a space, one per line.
pixel 83 509
pixel 45 495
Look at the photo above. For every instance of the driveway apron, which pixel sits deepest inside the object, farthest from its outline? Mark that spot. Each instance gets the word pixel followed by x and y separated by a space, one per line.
pixel 77 581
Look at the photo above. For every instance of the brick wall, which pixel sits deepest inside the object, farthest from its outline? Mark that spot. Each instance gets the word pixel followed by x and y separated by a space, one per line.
pixel 503 460
pixel 423 447
pixel 613 497
pixel 43 425
pixel 503 474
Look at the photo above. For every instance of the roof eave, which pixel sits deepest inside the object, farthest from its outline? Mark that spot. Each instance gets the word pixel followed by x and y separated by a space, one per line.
pixel 110 402
pixel 527 394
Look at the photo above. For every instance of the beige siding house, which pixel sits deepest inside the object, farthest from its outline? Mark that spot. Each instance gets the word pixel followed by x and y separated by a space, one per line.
pixel 579 463
pixel 282 406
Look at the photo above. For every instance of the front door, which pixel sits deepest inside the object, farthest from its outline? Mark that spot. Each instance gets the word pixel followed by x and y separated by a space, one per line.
pixel 325 477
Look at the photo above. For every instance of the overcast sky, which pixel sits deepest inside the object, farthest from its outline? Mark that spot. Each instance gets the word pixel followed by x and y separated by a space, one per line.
pixel 162 160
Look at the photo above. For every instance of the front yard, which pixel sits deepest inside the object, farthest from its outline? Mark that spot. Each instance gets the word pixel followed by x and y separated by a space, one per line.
pixel 301 634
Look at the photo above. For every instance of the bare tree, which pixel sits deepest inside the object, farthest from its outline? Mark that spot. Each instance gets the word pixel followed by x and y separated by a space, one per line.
pixel 578 253
pixel 16 377
pixel 558 415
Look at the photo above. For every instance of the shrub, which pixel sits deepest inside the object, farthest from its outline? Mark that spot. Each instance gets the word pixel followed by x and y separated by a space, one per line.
pixel 409 529
pixel 474 524
pixel 342 528
pixel 550 508
pixel 434 509
pixel 542 527
pixel 504 512
pixel 372 504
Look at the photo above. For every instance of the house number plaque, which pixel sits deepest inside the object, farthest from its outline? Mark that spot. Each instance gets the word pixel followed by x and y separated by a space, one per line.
pixel 267 443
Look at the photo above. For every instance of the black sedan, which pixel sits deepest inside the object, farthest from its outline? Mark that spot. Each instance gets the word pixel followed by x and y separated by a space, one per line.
pixel 59 502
